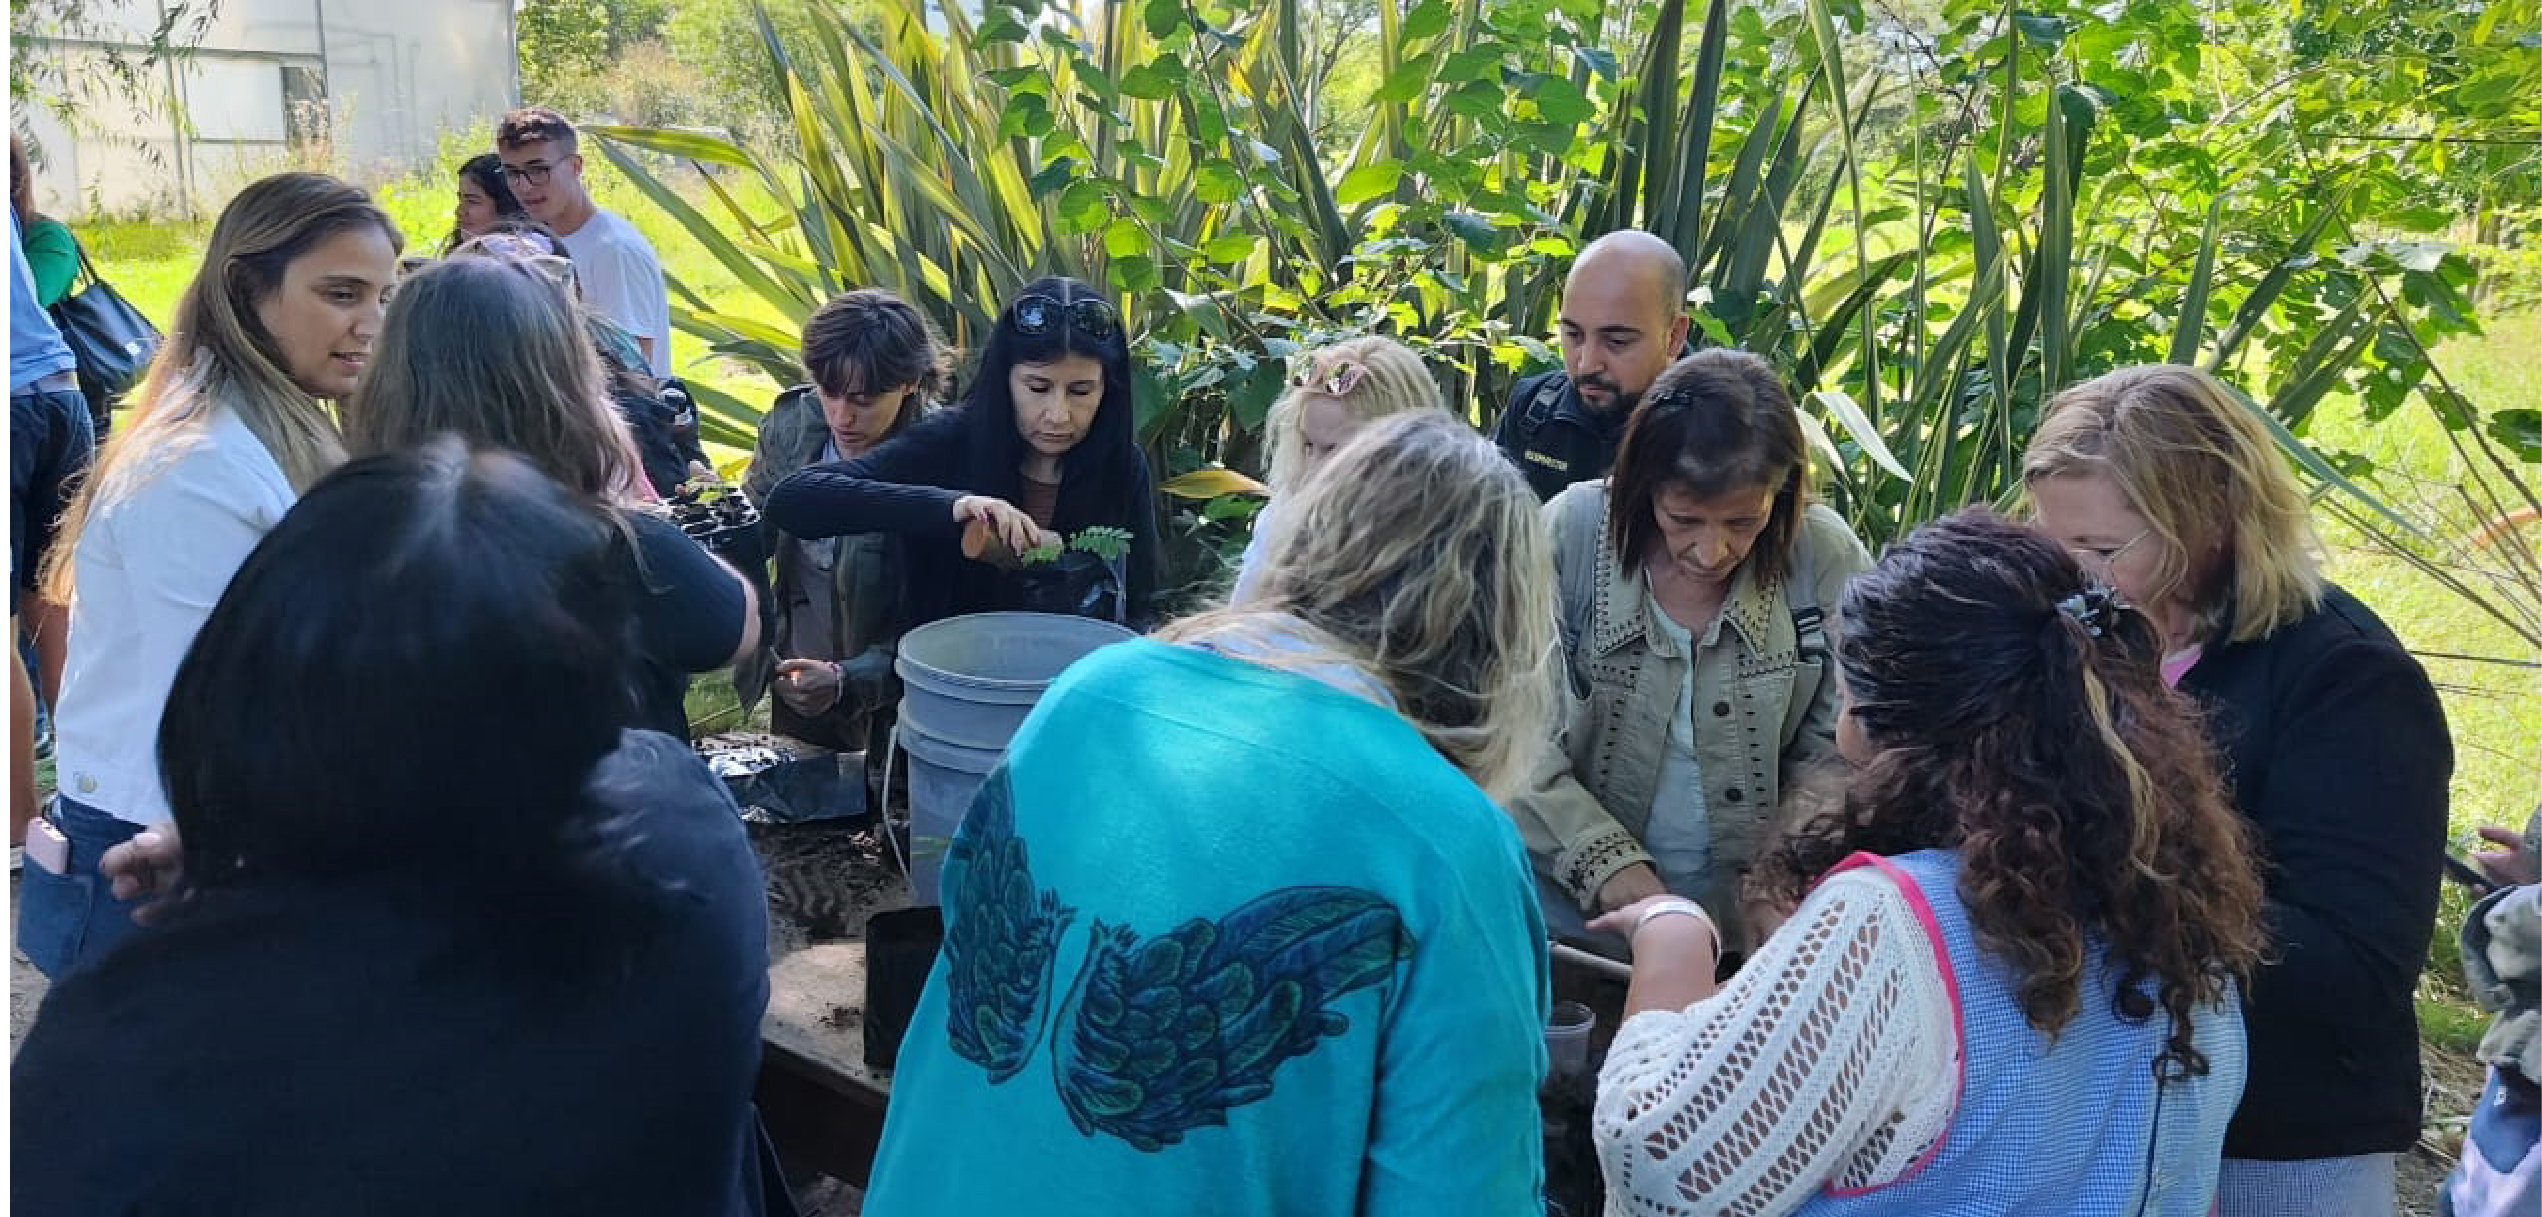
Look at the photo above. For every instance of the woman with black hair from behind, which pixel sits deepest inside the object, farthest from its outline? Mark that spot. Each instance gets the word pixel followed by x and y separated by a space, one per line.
pixel 448 937
pixel 1042 445
pixel 2010 983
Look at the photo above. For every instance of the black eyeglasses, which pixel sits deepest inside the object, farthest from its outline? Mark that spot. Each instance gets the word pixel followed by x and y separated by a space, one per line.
pixel 1037 315
pixel 535 175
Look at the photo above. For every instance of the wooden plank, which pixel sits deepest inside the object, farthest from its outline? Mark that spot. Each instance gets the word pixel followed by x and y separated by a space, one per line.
pixel 815 1023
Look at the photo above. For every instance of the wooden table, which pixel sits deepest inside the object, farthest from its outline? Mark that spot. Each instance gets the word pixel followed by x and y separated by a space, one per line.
pixel 823 1106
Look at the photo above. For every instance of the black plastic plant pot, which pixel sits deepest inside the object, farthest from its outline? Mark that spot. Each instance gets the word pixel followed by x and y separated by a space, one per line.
pixel 900 949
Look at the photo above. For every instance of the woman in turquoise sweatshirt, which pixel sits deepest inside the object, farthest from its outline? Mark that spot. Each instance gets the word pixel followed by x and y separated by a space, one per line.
pixel 1235 929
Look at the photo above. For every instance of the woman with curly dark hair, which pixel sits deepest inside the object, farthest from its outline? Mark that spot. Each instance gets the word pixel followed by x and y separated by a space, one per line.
pixel 2012 972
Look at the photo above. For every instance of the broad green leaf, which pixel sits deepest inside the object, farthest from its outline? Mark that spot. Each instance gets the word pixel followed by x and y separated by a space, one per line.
pixel 1367 182
pixel 1859 428
pixel 1426 20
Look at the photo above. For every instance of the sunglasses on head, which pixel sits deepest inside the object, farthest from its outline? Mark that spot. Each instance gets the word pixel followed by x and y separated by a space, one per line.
pixel 1037 314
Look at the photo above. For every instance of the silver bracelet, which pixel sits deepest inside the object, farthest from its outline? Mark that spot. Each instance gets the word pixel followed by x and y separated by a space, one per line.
pixel 1680 906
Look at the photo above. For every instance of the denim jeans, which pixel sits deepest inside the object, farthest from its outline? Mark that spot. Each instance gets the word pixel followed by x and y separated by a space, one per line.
pixel 68 919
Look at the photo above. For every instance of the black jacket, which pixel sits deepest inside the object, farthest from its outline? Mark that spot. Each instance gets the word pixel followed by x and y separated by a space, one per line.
pixel 2337 751
pixel 429 1042
pixel 1555 438
pixel 909 486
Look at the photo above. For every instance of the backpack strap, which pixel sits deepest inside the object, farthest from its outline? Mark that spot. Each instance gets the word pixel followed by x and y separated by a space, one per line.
pixel 1800 594
pixel 1540 405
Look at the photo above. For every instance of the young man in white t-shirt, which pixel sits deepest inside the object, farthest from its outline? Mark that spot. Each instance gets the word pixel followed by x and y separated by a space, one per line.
pixel 620 276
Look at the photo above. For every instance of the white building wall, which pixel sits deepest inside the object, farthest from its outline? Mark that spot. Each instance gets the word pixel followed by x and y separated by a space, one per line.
pixel 380 79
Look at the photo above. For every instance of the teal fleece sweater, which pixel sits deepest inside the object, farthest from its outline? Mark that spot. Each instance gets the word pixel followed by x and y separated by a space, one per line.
pixel 1223 939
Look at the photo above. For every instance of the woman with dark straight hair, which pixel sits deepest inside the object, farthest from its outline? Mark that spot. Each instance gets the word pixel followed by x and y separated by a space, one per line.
pixel 2009 985
pixel 447 937
pixel 1695 584
pixel 1042 445
pixel 485 202
pixel 491 351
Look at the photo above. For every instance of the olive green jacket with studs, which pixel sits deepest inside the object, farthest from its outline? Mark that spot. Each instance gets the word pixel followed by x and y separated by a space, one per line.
pixel 1763 704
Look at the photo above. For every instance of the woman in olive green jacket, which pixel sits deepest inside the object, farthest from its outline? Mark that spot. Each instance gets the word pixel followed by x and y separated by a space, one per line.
pixel 1695 584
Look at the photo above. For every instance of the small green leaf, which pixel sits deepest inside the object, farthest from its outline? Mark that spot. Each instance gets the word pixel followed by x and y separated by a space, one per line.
pixel 1163 17
pixel 1124 237
pixel 2046 31
pixel 2520 430
pixel 1427 20
pixel 1054 176
pixel 1368 182
pixel 1406 82
pixel 1136 274
pixel 1217 182
pixel 1600 60
pixel 1561 101
pixel 1231 247
pixel 1085 206
pixel 1476 231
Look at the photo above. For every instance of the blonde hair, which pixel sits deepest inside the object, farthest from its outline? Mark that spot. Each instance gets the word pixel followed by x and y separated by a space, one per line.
pixel 2238 540
pixel 1416 556
pixel 1376 377
pixel 218 354
pixel 493 351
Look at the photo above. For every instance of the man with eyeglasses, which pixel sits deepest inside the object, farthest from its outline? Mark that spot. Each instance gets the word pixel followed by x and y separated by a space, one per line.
pixel 621 278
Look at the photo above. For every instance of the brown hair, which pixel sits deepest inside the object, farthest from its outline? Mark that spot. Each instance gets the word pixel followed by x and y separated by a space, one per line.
pixel 2194 461
pixel 871 340
pixel 490 350
pixel 534 125
pixel 1716 421
pixel 2023 721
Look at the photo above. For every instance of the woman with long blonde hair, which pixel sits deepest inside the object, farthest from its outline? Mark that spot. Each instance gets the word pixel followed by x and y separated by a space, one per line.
pixel 1344 387
pixel 1236 927
pixel 228 429
pixel 494 352
pixel 2166 487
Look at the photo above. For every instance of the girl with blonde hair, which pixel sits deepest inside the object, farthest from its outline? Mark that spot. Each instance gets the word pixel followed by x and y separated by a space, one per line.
pixel 493 351
pixel 2165 486
pixel 1344 387
pixel 228 429
pixel 1236 928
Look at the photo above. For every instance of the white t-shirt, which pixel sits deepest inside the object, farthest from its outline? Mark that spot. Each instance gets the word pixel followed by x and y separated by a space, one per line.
pixel 148 567
pixel 622 281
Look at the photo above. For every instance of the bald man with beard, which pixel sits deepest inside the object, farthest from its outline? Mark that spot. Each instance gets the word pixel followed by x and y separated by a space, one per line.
pixel 1623 320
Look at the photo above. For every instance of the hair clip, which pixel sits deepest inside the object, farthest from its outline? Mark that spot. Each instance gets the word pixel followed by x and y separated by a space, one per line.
pixel 2095 608
pixel 1344 379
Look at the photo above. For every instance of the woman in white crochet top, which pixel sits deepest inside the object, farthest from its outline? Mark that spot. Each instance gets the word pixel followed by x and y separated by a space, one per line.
pixel 2009 984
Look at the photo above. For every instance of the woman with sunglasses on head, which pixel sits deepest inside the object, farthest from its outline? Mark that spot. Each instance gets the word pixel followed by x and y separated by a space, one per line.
pixel 2164 485
pixel 1696 580
pixel 1041 446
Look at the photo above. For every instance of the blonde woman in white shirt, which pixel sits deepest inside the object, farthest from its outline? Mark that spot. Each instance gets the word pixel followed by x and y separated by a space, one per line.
pixel 228 430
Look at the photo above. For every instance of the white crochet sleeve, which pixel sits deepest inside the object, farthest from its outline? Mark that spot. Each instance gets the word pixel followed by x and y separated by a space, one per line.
pixel 1831 1059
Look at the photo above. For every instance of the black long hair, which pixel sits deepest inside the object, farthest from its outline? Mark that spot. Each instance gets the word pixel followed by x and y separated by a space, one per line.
pixel 413 675
pixel 486 170
pixel 1093 471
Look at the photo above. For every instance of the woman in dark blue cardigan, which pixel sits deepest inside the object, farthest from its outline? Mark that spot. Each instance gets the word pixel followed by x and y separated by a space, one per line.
pixel 1043 443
